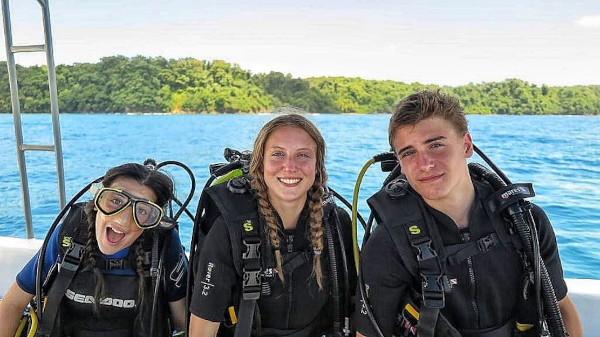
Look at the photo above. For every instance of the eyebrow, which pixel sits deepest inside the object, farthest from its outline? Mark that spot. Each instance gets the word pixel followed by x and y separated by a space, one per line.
pixel 276 147
pixel 427 141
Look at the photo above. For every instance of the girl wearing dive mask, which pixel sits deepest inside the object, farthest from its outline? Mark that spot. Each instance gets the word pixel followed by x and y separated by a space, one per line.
pixel 111 291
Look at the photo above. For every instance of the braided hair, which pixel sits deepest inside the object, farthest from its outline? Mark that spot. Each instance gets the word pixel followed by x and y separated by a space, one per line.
pixel 314 194
pixel 146 175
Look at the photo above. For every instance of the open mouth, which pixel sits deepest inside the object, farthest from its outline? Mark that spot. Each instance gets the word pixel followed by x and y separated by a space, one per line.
pixel 289 181
pixel 114 235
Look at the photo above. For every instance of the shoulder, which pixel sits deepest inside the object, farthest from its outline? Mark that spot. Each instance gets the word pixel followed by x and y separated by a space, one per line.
pixel 230 201
pixel 379 242
pixel 483 188
pixel 174 241
pixel 539 214
pixel 380 248
pixel 341 214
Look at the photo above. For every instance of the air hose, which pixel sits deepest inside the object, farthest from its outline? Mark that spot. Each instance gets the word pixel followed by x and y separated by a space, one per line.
pixel 382 157
pixel 361 174
pixel 338 317
pixel 515 214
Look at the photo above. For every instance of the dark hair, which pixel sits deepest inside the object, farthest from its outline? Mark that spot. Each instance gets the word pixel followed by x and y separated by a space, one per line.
pixel 314 194
pixel 162 186
pixel 425 104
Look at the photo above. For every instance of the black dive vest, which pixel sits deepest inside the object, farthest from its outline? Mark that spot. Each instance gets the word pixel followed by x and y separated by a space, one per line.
pixel 254 259
pixel 118 312
pixel 403 213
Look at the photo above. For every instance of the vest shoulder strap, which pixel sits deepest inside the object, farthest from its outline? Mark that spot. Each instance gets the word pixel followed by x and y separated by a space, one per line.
pixel 240 213
pixel 401 213
pixel 71 254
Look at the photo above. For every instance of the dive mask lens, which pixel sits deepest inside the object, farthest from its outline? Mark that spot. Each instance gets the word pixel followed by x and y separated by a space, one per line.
pixel 146 214
pixel 111 201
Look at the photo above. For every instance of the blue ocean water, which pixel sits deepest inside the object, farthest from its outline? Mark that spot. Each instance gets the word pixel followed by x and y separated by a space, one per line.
pixel 560 155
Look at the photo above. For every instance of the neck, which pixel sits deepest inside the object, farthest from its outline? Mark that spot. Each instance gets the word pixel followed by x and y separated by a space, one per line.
pixel 457 205
pixel 289 212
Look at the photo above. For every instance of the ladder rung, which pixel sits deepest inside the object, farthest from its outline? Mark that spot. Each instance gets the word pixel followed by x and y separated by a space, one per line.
pixel 29 48
pixel 25 147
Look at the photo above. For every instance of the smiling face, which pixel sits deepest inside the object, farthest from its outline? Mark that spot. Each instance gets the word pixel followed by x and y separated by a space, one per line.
pixel 118 231
pixel 289 165
pixel 433 155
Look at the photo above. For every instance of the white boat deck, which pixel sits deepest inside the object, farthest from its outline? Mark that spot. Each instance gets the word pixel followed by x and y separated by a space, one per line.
pixel 14 253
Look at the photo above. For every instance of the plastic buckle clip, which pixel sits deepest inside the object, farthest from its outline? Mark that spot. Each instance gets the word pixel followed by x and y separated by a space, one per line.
pixel 486 243
pixel 72 257
pixel 252 284
pixel 116 264
pixel 252 250
pixel 425 251
pixel 433 291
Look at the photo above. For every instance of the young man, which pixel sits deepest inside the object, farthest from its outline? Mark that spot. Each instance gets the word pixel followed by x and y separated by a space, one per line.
pixel 438 243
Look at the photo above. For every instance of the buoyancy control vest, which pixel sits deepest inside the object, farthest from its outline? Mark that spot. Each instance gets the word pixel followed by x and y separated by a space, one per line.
pixel 254 259
pixel 403 213
pixel 69 290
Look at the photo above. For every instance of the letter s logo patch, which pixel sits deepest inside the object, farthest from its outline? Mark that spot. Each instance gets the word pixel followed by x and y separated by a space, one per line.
pixel 414 230
pixel 248 225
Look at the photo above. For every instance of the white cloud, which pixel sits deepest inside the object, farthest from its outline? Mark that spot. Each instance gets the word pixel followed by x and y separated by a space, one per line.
pixel 589 21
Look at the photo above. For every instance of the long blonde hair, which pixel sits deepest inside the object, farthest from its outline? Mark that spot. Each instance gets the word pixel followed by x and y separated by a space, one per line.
pixel 314 194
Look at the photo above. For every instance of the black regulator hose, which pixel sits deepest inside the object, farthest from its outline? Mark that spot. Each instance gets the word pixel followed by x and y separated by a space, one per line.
pixel 515 214
pixel 365 303
pixel 348 205
pixel 156 286
pixel 346 275
pixel 553 316
pixel 338 319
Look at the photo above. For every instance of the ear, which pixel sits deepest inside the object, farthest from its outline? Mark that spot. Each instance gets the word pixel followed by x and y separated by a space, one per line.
pixel 468 145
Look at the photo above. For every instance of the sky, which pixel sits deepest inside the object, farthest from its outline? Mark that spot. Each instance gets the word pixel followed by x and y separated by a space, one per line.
pixel 432 42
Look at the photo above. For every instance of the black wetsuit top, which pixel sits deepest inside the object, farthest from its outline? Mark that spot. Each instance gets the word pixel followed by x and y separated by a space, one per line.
pixel 292 306
pixel 486 286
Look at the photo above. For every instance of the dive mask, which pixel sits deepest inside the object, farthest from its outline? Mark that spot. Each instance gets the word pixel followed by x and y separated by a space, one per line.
pixel 110 201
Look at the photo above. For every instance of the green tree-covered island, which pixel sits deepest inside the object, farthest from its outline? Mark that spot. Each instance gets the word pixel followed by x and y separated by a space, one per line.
pixel 141 84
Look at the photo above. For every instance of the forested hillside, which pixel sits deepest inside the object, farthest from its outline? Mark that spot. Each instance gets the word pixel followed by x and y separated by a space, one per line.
pixel 144 84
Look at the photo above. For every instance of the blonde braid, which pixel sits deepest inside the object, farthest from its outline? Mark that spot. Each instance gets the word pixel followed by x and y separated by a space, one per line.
pixel 264 207
pixel 315 195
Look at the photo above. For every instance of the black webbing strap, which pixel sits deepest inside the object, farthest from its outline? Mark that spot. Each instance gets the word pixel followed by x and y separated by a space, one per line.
pixel 291 261
pixel 427 321
pixel 460 252
pixel 243 327
pixel 112 264
pixel 68 269
pixel 434 281
pixel 252 277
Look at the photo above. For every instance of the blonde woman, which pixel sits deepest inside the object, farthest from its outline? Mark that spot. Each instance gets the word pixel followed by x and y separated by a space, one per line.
pixel 284 203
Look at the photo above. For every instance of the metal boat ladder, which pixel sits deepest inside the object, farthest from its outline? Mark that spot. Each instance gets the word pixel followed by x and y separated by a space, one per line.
pixel 11 50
